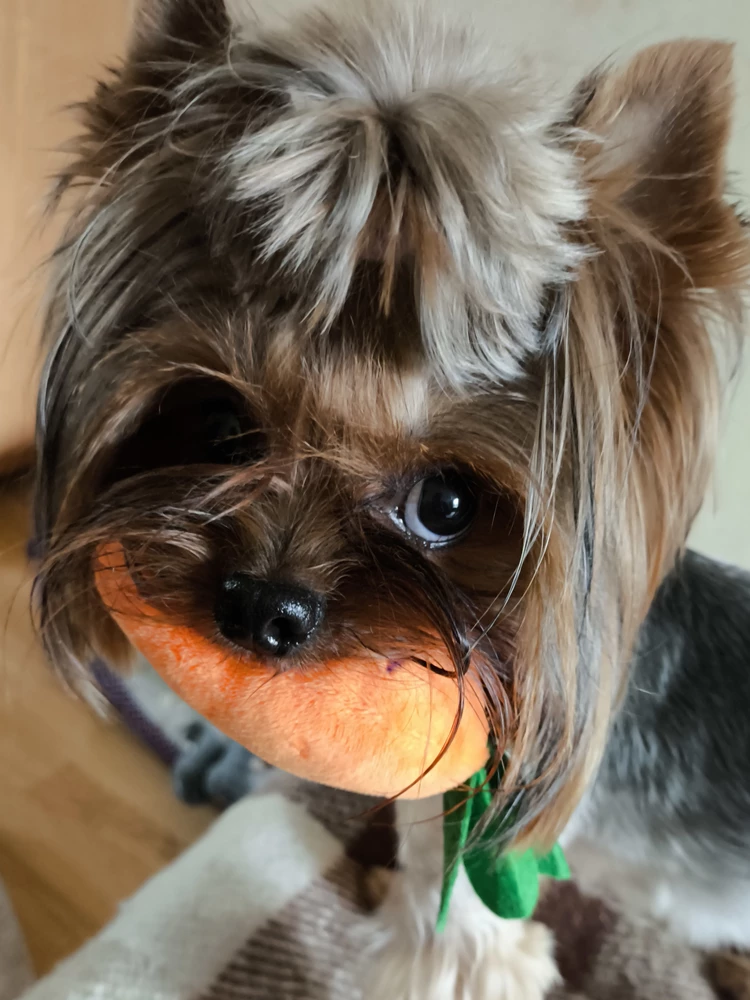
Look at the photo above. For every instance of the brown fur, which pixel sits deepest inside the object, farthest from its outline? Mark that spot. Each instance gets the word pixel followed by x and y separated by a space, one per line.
pixel 347 264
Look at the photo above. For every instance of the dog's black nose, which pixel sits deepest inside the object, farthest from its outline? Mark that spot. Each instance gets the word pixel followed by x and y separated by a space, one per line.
pixel 275 618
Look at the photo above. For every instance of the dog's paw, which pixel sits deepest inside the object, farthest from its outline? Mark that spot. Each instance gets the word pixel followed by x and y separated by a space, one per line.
pixel 505 960
pixel 536 970
pixel 212 769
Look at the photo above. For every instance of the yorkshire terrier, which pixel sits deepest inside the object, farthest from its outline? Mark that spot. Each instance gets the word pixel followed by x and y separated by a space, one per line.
pixel 422 345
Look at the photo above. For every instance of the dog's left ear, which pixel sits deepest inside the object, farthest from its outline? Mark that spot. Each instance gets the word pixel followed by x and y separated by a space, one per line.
pixel 197 23
pixel 659 132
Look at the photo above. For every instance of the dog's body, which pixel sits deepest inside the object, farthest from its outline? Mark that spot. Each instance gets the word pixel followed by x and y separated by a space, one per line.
pixel 358 348
pixel 669 812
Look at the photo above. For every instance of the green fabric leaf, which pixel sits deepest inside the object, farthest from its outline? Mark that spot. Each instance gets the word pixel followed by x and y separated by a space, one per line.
pixel 554 864
pixel 507 884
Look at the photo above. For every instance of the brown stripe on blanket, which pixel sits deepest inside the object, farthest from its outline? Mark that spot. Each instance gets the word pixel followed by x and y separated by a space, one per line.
pixel 604 954
pixel 581 925
pixel 311 951
pixel 365 825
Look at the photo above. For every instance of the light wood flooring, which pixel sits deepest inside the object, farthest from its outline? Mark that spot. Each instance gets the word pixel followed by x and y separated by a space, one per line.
pixel 86 813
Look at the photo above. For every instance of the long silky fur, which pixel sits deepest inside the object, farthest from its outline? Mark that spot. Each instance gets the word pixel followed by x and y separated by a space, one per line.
pixel 395 258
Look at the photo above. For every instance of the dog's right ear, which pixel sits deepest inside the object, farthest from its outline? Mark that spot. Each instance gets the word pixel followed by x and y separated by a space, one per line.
pixel 200 24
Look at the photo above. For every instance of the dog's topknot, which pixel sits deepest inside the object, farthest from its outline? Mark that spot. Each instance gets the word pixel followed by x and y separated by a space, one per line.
pixel 378 138
pixel 386 138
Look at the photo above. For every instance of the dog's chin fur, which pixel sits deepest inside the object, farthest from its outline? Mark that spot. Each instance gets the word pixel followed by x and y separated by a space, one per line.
pixel 366 257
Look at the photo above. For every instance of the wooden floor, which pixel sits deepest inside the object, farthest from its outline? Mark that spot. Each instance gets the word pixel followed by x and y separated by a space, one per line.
pixel 86 814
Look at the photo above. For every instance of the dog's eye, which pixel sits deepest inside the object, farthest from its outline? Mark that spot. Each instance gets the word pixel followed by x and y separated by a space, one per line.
pixel 227 440
pixel 194 423
pixel 440 508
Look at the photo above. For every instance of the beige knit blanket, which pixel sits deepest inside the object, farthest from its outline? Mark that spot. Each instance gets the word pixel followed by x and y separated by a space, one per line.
pixel 272 904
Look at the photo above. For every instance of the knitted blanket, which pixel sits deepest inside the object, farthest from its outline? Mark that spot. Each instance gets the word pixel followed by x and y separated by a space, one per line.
pixel 274 903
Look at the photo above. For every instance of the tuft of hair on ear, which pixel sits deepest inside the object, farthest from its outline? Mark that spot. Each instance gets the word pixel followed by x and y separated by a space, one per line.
pixel 200 24
pixel 663 126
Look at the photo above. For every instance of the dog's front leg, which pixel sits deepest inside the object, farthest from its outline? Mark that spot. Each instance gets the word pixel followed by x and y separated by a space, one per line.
pixel 477 957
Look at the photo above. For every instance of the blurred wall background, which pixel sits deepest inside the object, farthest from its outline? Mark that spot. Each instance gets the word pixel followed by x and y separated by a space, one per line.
pixel 49 54
pixel 50 51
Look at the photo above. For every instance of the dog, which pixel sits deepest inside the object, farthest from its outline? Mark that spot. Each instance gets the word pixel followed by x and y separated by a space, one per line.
pixel 344 309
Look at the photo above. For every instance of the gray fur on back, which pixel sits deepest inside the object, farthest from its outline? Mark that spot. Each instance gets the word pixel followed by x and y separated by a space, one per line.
pixel 674 786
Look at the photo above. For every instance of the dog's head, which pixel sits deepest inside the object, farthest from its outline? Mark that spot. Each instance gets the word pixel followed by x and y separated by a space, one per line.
pixel 357 345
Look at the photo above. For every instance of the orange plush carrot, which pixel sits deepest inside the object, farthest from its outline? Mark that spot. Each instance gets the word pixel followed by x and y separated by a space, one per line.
pixel 364 724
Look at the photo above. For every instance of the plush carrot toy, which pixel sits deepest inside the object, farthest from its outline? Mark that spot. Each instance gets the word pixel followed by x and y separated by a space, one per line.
pixel 374 726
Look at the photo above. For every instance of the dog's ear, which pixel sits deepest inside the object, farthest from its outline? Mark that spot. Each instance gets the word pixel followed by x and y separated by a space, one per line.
pixel 660 300
pixel 660 129
pixel 198 23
